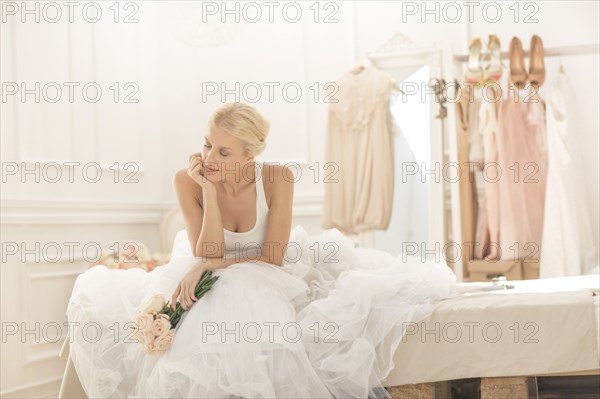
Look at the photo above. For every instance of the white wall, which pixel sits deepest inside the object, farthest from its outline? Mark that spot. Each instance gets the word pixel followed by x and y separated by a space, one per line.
pixel 157 133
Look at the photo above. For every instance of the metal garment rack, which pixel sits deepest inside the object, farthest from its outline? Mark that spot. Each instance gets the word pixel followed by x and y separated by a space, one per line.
pixel 585 49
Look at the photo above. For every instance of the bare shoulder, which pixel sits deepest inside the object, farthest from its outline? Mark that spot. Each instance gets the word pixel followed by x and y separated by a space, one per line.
pixel 182 180
pixel 185 185
pixel 278 181
pixel 277 176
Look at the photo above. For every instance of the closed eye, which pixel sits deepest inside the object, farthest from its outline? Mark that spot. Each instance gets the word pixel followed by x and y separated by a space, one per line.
pixel 209 146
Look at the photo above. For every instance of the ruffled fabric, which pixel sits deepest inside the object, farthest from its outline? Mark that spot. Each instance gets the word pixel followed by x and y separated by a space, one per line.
pixel 323 325
pixel 359 301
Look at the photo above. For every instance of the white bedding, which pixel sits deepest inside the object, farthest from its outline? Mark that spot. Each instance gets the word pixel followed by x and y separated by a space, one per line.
pixel 546 326
pixel 560 284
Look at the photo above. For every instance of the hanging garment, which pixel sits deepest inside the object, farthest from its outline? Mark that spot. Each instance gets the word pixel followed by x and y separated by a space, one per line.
pixel 476 142
pixel 523 162
pixel 476 157
pixel 359 184
pixel 466 119
pixel 488 218
pixel 567 244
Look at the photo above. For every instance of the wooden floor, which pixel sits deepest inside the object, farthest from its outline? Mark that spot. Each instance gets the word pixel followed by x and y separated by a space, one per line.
pixel 579 387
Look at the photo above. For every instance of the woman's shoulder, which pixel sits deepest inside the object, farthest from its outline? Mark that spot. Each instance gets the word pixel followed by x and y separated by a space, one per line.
pixel 276 174
pixel 183 180
pixel 277 180
pixel 183 183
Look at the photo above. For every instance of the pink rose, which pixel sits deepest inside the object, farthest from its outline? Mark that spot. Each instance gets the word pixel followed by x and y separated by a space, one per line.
pixel 143 323
pixel 155 304
pixel 163 342
pixel 160 326
pixel 148 340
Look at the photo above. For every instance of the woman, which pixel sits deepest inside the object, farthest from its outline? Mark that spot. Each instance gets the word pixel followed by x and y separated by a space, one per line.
pixel 291 315
pixel 225 187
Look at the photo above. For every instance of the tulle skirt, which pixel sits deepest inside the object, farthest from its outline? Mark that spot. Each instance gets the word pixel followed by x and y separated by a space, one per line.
pixel 324 325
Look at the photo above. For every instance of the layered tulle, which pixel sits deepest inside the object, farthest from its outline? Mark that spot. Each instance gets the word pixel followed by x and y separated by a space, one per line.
pixel 324 325
pixel 361 300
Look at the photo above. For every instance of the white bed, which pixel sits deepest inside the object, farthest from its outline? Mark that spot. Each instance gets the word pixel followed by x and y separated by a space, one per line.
pixel 546 326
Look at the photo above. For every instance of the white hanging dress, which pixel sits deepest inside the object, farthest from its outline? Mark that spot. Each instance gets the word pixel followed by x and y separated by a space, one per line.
pixel 567 247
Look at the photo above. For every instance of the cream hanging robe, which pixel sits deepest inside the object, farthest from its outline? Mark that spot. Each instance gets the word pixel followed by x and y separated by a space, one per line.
pixel 567 248
pixel 359 182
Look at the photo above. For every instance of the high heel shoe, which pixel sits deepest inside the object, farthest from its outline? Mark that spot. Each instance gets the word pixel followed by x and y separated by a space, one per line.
pixel 537 70
pixel 518 75
pixel 494 69
pixel 474 72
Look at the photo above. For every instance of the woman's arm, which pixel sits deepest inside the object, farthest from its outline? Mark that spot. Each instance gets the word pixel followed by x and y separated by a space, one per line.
pixel 204 226
pixel 279 222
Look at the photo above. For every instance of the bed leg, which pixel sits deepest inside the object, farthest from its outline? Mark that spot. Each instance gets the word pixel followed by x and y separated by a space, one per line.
pixel 432 390
pixel 504 387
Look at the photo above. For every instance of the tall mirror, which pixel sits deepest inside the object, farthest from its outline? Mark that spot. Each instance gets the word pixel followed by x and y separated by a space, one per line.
pixel 417 225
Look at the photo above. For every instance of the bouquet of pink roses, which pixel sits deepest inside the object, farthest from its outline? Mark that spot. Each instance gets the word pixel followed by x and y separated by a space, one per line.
pixel 154 326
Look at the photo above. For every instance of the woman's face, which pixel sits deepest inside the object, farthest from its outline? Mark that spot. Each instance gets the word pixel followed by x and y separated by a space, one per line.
pixel 224 158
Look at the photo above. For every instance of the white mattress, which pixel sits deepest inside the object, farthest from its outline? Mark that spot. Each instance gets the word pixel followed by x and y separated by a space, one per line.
pixel 559 284
pixel 546 325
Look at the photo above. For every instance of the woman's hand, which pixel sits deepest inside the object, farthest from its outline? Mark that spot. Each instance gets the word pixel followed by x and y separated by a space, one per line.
pixel 186 287
pixel 196 171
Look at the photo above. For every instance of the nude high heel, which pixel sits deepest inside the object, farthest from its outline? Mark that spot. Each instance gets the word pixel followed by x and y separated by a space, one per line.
pixel 537 70
pixel 474 72
pixel 494 69
pixel 518 75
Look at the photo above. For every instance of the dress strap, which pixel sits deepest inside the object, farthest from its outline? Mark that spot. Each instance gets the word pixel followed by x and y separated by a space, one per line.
pixel 261 199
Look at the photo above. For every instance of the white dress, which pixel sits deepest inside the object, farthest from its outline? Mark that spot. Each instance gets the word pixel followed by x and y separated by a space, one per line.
pixel 360 145
pixel 323 325
pixel 568 248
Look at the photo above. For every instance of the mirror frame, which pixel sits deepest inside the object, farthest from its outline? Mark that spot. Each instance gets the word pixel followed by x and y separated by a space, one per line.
pixel 400 51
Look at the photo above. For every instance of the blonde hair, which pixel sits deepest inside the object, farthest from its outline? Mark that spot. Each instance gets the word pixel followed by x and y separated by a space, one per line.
pixel 244 122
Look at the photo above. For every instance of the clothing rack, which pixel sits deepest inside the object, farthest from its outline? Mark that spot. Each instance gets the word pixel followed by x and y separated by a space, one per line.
pixel 548 52
pixel 463 192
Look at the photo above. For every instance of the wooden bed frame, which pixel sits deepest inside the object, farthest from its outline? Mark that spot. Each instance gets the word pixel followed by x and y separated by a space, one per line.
pixel 517 387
